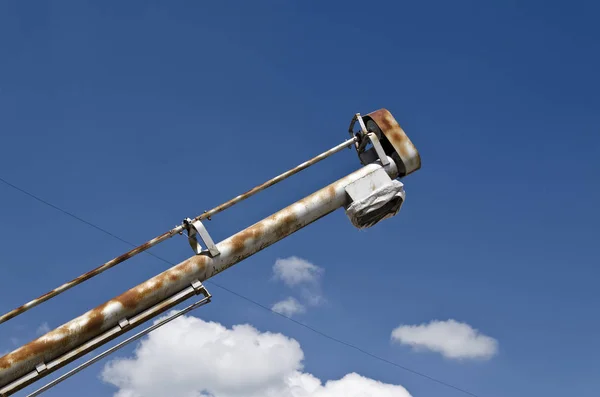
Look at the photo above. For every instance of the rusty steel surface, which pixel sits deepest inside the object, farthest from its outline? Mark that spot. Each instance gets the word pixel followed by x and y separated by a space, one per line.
pixel 151 243
pixel 76 333
pixel 402 145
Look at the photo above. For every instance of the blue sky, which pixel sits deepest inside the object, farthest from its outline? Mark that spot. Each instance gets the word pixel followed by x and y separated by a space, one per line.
pixel 135 115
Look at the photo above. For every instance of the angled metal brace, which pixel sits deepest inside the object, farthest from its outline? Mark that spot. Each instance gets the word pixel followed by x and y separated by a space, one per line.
pixel 195 229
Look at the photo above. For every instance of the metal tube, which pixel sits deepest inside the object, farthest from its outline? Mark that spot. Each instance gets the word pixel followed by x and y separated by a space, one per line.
pixel 77 332
pixel 165 236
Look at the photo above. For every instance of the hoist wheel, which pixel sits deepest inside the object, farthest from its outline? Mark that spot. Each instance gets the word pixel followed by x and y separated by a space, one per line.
pixel 394 141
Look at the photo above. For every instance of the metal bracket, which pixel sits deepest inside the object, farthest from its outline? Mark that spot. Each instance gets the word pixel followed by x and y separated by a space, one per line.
pixel 41 368
pixel 124 323
pixel 200 289
pixel 195 229
pixel 364 137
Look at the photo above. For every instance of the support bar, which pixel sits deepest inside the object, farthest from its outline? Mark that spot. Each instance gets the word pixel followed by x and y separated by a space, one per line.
pixel 176 230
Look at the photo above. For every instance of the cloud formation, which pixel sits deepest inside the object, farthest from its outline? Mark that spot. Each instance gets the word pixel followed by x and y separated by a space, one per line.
pixel 289 307
pixel 194 358
pixel 302 275
pixel 294 271
pixel 452 339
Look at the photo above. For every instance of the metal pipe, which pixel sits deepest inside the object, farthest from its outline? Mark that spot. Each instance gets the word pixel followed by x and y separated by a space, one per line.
pixel 68 338
pixel 165 236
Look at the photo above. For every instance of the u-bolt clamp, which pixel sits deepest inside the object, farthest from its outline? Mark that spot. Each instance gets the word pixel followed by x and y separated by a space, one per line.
pixel 195 229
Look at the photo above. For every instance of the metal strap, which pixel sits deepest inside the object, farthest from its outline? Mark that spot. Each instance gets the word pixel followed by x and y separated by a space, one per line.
pixel 379 149
pixel 196 228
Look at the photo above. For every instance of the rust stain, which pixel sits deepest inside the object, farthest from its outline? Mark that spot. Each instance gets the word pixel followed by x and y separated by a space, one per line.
pixel 131 298
pixel 397 137
pixel 330 192
pixel 188 267
pixel 95 319
pixel 238 242
pixel 288 222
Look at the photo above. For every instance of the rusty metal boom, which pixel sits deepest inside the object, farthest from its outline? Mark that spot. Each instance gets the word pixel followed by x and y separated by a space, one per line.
pixel 368 195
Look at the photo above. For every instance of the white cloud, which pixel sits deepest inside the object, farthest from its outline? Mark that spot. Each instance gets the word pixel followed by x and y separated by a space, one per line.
pixel 43 329
pixel 289 307
pixel 293 271
pixel 450 338
pixel 298 272
pixel 193 358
